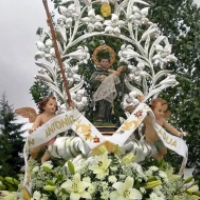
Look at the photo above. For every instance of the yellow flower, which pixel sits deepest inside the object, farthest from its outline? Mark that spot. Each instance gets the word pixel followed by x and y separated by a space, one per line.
pixel 105 9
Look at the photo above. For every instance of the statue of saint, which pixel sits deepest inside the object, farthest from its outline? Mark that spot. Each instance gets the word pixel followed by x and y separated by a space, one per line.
pixel 104 85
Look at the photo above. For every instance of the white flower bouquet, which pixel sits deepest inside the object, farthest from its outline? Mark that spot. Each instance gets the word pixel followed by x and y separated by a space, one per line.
pixel 106 177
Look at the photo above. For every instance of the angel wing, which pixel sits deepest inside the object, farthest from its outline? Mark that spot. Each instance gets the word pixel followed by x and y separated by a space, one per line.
pixel 27 112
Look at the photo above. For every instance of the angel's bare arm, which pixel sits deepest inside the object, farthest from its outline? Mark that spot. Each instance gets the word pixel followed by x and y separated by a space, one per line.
pixel 36 124
pixel 172 129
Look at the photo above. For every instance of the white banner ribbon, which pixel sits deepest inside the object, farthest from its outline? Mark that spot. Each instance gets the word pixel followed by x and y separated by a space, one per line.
pixel 52 128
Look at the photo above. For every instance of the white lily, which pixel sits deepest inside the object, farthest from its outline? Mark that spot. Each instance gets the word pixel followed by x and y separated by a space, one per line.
pixel 47 166
pixel 5 195
pixel 154 196
pixel 102 167
pixel 76 188
pixel 124 191
pixel 37 195
pixel 35 169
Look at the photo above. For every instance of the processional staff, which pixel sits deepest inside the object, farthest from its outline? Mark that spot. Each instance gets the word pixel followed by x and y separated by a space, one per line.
pixel 60 64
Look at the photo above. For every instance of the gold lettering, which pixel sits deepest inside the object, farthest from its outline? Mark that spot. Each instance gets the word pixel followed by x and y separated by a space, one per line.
pixel 71 119
pixel 168 140
pixel 58 125
pixel 174 143
pixel 49 130
pixel 64 121
pixel 31 142
pixel 164 136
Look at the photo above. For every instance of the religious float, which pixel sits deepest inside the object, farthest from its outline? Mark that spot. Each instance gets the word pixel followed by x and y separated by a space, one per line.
pixel 102 160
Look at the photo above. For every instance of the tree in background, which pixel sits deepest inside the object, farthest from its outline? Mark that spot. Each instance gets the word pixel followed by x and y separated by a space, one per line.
pixel 11 142
pixel 179 21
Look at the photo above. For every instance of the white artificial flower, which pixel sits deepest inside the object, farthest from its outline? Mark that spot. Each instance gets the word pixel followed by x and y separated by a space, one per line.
pixel 93 21
pixel 125 191
pixel 162 174
pixel 45 197
pixel 112 179
pixel 87 179
pixel 154 168
pixel 36 195
pixel 114 25
pixel 91 189
pixel 35 169
pixel 149 172
pixel 104 185
pixel 101 169
pixel 157 191
pixel 105 194
pixel 81 54
pixel 193 188
pixel 142 190
pixel 69 12
pixel 127 52
pixel 5 195
pixel 139 171
pixel 47 165
pixel 76 188
pixel 154 196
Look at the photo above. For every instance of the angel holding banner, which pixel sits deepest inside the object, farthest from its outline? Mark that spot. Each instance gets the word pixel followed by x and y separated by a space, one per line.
pixel 47 109
pixel 161 113
pixel 160 109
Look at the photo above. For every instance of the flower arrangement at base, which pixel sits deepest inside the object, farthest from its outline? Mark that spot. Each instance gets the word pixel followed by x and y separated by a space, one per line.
pixel 107 177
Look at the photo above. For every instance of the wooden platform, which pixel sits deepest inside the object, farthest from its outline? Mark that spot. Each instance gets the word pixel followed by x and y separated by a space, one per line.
pixel 107 130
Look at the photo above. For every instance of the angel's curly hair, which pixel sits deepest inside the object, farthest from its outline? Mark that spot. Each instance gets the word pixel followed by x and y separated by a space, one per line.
pixel 41 104
pixel 154 102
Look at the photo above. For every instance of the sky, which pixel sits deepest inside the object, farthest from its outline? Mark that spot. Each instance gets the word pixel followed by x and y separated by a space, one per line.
pixel 19 21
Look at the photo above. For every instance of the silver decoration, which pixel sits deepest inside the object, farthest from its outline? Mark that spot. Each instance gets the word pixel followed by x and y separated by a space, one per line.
pixel 141 149
pixel 143 43
pixel 68 148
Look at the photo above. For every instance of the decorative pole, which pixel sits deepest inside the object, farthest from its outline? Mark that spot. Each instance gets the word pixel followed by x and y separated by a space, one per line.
pixel 60 64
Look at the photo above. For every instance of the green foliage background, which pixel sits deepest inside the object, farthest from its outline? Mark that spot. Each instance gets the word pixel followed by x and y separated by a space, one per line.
pixel 179 21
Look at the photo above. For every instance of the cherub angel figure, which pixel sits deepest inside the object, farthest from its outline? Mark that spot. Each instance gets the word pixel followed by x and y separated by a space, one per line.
pixel 160 109
pixel 161 113
pixel 47 110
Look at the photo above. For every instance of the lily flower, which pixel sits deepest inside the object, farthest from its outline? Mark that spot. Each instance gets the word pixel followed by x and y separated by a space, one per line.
pixel 139 17
pixel 101 169
pixel 125 191
pixel 37 195
pixel 77 188
pixel 127 52
pixel 81 54
pixel 47 166
pixel 113 25
pixel 69 12
pixel 93 21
